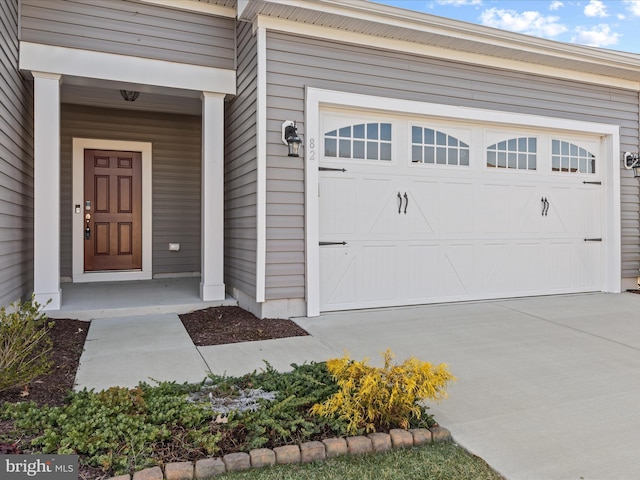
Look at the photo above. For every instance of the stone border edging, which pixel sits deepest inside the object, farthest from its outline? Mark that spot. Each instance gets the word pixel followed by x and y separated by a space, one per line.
pixel 304 453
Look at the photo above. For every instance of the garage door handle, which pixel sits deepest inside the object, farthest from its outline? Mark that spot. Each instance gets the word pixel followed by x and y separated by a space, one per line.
pixel 406 202
pixel 545 206
pixel 399 206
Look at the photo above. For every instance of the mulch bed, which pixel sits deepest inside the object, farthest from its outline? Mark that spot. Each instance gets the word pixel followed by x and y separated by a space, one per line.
pixel 223 325
pixel 68 338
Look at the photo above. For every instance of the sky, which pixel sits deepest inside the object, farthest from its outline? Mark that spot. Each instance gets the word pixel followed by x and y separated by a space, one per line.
pixel 611 24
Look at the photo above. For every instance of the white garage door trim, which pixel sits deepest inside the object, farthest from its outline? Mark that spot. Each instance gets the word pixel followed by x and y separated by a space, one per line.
pixel 316 99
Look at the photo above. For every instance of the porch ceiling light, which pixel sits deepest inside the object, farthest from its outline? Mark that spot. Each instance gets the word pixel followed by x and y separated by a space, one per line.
pixel 290 137
pixel 129 95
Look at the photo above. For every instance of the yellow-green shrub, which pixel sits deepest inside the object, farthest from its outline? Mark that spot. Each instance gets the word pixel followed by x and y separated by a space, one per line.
pixel 371 398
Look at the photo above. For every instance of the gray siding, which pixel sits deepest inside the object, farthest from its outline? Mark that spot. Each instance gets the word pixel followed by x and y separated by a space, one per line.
pixel 131 28
pixel 176 157
pixel 295 62
pixel 240 170
pixel 16 165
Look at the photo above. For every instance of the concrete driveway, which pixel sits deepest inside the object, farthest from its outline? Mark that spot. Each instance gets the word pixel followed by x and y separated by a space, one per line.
pixel 548 388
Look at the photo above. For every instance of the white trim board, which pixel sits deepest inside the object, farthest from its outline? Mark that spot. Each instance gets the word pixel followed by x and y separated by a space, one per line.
pixel 77 237
pixel 261 167
pixel 121 68
pixel 327 33
pixel 46 190
pixel 200 7
pixel 318 98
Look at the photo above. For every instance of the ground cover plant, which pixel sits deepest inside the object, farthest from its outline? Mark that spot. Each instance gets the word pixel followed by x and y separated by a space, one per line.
pixel 121 430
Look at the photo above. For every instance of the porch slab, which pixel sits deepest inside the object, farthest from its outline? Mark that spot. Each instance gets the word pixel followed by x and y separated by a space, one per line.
pixel 237 359
pixel 86 301
pixel 127 350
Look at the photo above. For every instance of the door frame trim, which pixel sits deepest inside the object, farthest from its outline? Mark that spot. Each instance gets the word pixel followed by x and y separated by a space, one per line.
pixel 316 99
pixel 79 146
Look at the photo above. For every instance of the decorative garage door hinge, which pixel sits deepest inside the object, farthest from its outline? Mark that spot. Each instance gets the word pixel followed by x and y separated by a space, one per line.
pixel 324 244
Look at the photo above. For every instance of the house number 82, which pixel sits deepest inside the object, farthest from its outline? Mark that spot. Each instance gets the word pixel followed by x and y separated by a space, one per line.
pixel 312 149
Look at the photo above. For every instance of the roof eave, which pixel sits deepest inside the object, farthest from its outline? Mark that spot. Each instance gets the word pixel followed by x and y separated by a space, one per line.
pixel 461 34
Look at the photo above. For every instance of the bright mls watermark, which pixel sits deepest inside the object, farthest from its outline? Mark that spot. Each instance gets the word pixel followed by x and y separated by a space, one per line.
pixel 46 467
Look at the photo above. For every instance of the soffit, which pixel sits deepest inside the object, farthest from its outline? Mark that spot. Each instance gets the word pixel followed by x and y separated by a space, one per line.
pixel 152 100
pixel 383 22
pixel 219 3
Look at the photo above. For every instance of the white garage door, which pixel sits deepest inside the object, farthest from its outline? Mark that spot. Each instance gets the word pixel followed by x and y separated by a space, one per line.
pixel 417 210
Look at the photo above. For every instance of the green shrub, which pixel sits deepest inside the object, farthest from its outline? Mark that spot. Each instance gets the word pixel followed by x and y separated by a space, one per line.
pixel 376 398
pixel 24 344
pixel 285 419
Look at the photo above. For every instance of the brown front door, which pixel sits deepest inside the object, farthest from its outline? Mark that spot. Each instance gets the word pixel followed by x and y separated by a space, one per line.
pixel 113 210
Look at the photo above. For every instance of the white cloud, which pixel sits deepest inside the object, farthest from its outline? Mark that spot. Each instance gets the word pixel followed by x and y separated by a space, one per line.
pixel 598 36
pixel 633 6
pixel 459 3
pixel 556 5
pixel 531 23
pixel 595 8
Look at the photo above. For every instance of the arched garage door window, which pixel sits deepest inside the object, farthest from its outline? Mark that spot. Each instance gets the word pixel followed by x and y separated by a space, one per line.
pixel 370 141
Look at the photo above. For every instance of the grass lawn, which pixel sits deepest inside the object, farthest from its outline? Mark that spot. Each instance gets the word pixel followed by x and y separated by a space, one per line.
pixel 443 461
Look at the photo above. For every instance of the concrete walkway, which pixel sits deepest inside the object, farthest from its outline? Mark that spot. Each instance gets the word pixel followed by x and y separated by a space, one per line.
pixel 125 351
pixel 548 388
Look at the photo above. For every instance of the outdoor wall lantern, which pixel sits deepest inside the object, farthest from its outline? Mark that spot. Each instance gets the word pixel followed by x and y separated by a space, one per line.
pixel 290 137
pixel 632 161
pixel 129 95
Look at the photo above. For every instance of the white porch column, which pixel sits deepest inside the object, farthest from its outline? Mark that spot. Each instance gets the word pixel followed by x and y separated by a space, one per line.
pixel 212 203
pixel 46 174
